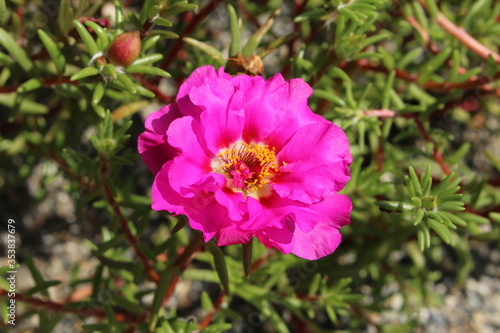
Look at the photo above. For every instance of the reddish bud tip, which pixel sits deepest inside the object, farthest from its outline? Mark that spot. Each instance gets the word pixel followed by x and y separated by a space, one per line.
pixel 102 22
pixel 125 48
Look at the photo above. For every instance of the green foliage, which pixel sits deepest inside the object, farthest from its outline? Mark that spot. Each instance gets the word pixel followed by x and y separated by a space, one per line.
pixel 408 93
pixel 431 208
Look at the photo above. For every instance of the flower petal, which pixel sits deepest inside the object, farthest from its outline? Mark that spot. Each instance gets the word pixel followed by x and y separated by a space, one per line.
pixel 264 105
pixel 233 201
pixel 163 195
pixel 193 161
pixel 306 181
pixel 152 144
pixel 280 238
pixel 203 211
pixel 317 235
pixel 196 79
pixel 232 235
pixel 327 216
pixel 222 116
pixel 329 141
pixel 292 103
pixel 209 216
pixel 260 216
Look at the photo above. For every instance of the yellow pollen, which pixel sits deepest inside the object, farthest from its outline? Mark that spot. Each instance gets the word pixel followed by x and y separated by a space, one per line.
pixel 249 166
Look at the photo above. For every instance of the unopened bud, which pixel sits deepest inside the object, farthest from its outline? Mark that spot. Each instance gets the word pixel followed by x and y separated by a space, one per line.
pixel 125 48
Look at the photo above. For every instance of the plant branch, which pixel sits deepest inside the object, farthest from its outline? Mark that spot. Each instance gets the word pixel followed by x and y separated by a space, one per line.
pixel 182 262
pixel 472 83
pixel 84 183
pixel 423 33
pixel 217 306
pixel 172 54
pixel 46 82
pixel 438 157
pixel 153 275
pixel 299 6
pixel 333 60
pixel 463 36
pixel 259 262
pixel 61 307
pixel 154 88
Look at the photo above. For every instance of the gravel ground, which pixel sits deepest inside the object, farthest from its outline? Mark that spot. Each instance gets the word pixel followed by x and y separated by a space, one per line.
pixel 473 308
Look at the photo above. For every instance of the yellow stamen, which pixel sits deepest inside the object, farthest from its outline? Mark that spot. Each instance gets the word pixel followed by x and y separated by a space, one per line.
pixel 249 166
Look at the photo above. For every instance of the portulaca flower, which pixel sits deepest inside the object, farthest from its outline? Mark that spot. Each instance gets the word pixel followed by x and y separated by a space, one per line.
pixel 245 157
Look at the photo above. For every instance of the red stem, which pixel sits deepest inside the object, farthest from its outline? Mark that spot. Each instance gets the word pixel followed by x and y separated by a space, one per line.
pixel 46 82
pixel 248 15
pixel 182 262
pixel 259 262
pixel 438 157
pixel 473 82
pixel 22 32
pixel 65 167
pixel 299 6
pixel 60 307
pixel 153 275
pixel 209 317
pixel 172 54
pixel 425 35
pixel 463 36
pixel 154 88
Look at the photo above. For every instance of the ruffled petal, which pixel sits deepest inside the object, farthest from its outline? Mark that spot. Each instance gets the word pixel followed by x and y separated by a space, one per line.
pixel 279 212
pixel 222 116
pixel 310 174
pixel 279 238
pixel 196 79
pixel 306 181
pixel 163 195
pixel 203 211
pixel 264 104
pixel 232 235
pixel 234 203
pixel 327 216
pixel 209 216
pixel 291 101
pixel 328 140
pixel 316 244
pixel 192 163
pixel 152 144
pixel 261 217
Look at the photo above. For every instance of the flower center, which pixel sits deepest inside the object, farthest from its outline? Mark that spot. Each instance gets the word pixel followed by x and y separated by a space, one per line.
pixel 247 166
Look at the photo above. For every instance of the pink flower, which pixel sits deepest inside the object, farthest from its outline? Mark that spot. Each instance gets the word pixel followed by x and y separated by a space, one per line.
pixel 245 157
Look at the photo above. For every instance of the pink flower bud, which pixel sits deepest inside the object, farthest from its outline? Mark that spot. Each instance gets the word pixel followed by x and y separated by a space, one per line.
pixel 124 49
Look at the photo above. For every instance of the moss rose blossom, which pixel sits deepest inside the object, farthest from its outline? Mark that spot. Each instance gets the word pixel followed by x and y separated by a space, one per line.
pixel 245 157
